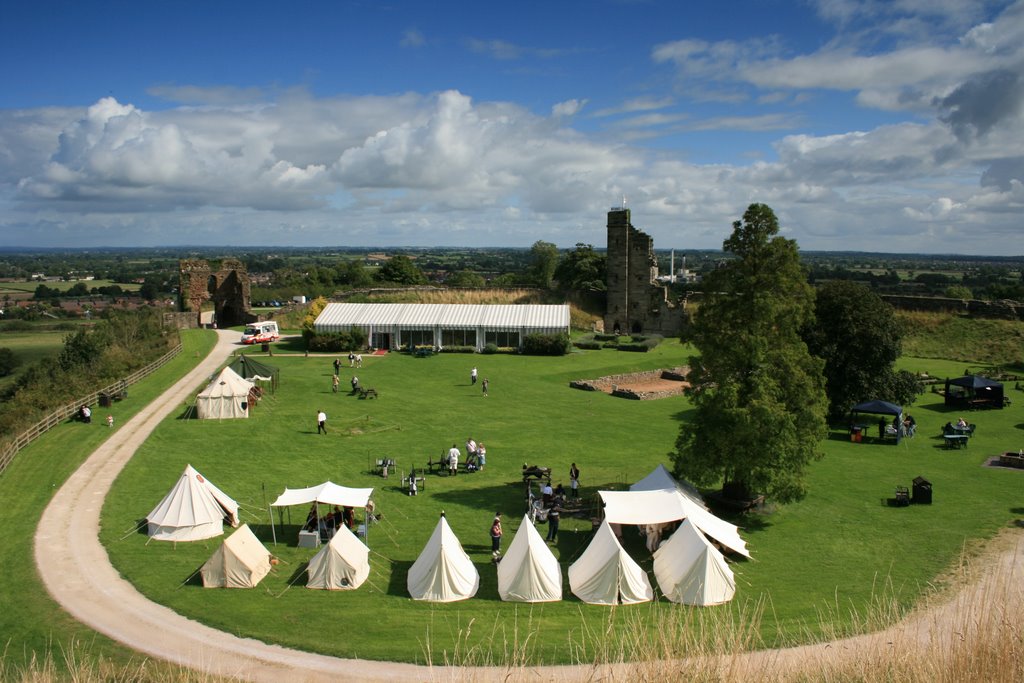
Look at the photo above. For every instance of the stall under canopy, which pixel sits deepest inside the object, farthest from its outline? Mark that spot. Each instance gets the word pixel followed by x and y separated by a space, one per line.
pixel 327 493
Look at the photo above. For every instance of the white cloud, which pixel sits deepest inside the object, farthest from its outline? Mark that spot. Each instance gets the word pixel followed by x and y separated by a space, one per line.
pixel 568 108
pixel 412 37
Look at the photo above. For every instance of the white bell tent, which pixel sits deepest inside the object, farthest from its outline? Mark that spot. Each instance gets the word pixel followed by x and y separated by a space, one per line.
pixel 192 510
pixel 529 571
pixel 342 564
pixel 226 397
pixel 241 561
pixel 443 572
pixel 691 571
pixel 660 478
pixel 605 574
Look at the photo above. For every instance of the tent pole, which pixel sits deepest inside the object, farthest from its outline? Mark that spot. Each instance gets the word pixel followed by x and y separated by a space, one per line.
pixel 273 531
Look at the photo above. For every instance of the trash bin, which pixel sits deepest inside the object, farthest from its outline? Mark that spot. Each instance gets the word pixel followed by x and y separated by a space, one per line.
pixel 922 491
pixel 265 347
pixel 855 434
pixel 105 401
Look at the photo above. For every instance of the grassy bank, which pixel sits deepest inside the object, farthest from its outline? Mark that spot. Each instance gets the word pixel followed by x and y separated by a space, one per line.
pixel 974 340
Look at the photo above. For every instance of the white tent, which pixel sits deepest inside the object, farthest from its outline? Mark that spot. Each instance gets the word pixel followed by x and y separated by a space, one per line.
pixel 660 478
pixel 241 561
pixel 327 493
pixel 342 564
pixel 443 572
pixel 192 510
pixel 691 571
pixel 606 575
pixel 529 572
pixel 227 396
pixel 658 507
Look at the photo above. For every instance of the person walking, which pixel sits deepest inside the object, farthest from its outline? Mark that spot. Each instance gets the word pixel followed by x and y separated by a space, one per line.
pixel 334 383
pixel 574 481
pixel 472 376
pixel 337 365
pixel 321 422
pixel 496 536
pixel 553 515
pixel 485 384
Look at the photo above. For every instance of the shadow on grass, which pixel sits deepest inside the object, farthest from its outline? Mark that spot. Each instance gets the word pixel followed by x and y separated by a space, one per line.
pixel 398 585
pixel 685 415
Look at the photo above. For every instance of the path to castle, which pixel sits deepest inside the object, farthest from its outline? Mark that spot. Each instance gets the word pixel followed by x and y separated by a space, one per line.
pixel 77 572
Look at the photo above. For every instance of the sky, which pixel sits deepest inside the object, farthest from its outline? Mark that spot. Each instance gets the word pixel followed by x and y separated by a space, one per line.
pixel 866 125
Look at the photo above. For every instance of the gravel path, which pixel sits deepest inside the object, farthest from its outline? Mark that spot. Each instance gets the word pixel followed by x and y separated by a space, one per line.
pixel 77 572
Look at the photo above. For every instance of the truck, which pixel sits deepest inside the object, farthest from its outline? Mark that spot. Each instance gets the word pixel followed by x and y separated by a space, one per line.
pixel 261 333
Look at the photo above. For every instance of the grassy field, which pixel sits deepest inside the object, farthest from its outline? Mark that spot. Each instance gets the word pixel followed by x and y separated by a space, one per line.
pixel 29 347
pixel 31 624
pixel 978 340
pixel 63 286
pixel 819 566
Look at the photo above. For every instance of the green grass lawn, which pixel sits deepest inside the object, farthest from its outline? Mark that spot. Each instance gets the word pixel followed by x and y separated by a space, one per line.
pixel 816 563
pixel 30 622
pixel 29 347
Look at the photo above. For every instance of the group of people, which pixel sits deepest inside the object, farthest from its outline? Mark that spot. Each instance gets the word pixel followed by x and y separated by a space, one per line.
pixel 476 457
pixel 354 360
pixel 329 523
pixel 485 384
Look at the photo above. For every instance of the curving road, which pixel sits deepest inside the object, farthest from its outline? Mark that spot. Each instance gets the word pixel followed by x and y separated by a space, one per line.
pixel 77 572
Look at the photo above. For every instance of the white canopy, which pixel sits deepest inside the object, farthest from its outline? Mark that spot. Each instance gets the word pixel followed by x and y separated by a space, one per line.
pixel 443 572
pixel 657 507
pixel 606 575
pixel 342 564
pixel 192 510
pixel 241 561
pixel 227 396
pixel 660 478
pixel 691 571
pixel 327 493
pixel 529 572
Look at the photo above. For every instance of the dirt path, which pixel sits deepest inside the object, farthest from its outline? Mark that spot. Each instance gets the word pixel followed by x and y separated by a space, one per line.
pixel 77 572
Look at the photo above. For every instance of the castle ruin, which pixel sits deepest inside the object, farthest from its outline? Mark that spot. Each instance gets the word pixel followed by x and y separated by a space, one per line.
pixel 227 288
pixel 637 304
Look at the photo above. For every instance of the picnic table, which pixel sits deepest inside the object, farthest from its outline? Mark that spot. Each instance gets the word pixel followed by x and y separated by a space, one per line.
pixel 955 440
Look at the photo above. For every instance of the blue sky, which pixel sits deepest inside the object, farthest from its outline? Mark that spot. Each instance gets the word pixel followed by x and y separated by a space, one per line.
pixel 867 125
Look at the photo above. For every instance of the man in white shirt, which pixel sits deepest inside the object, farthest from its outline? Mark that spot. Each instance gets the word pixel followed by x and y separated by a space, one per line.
pixel 321 422
pixel 453 459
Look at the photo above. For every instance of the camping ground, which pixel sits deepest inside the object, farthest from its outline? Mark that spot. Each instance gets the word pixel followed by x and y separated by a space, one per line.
pixel 817 563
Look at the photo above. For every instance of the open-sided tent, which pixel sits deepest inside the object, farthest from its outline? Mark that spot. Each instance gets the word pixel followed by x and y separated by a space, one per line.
pixel 192 510
pixel 660 478
pixel 443 572
pixel 251 369
pixel 529 571
pixel 877 407
pixel 658 507
pixel 241 561
pixel 342 564
pixel 327 493
pixel 691 571
pixel 227 396
pixel 972 391
pixel 605 574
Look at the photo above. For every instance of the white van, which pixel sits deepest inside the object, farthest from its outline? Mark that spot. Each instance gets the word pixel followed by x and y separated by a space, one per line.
pixel 260 333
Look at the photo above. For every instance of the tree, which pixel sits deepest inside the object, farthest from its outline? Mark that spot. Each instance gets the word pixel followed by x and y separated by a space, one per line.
pixel 858 336
pixel 543 261
pixel 8 361
pixel 466 278
pixel 401 270
pixel 759 394
pixel 353 273
pixel 582 269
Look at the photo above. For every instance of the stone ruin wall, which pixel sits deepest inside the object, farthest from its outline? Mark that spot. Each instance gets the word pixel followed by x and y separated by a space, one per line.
pixel 618 385
pixel 227 288
pixel 1002 309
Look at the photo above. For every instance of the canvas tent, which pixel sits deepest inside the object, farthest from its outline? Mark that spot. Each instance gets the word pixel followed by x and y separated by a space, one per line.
pixel 227 396
pixel 241 561
pixel 443 572
pixel 327 493
pixel 877 407
pixel 606 575
pixel 660 478
pixel 972 391
pixel 529 572
pixel 342 564
pixel 691 571
pixel 658 507
pixel 192 510
pixel 251 369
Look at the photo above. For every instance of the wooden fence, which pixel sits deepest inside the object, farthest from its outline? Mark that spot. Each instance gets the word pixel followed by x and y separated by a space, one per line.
pixel 117 390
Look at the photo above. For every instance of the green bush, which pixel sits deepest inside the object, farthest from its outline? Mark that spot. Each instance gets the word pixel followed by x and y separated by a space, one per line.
pixel 546 344
pixel 490 348
pixel 606 337
pixel 639 347
pixel 589 344
pixel 458 349
pixel 353 340
pixel 610 345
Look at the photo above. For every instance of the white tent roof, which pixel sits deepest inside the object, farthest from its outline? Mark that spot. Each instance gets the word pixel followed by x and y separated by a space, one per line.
pixel 327 493
pixel 657 507
pixel 342 564
pixel 443 572
pixel 529 572
pixel 192 510
pixel 241 561
pixel 606 575
pixel 224 397
pixel 661 478
pixel 691 571
pixel 340 317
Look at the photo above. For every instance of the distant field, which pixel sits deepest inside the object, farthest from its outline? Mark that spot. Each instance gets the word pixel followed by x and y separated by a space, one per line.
pixel 29 347
pixel 30 287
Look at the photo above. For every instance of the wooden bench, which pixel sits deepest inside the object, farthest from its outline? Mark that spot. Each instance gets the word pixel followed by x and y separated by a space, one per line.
pixel 368 393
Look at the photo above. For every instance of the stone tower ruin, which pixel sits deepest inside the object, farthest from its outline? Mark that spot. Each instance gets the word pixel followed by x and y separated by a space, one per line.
pixel 637 304
pixel 227 288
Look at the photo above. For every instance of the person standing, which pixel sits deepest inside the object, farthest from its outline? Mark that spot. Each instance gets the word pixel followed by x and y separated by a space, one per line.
pixel 453 460
pixel 359 360
pixel 486 383
pixel 553 515
pixel 496 536
pixel 574 481
pixel 334 383
pixel 481 456
pixel 337 365
pixel 321 422
pixel 472 376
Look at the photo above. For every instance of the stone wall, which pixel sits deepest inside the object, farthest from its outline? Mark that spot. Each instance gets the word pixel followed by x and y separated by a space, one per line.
pixel 1002 309
pixel 619 385
pixel 227 288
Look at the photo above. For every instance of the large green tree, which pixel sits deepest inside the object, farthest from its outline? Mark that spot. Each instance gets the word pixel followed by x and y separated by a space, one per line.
pixel 858 336
pixel 582 269
pixel 759 394
pixel 401 270
pixel 543 261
